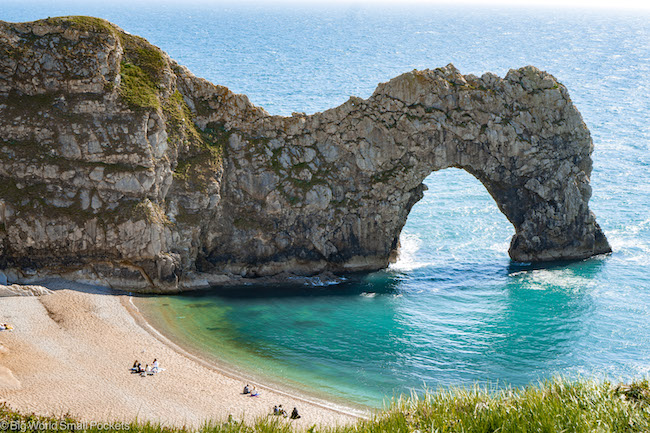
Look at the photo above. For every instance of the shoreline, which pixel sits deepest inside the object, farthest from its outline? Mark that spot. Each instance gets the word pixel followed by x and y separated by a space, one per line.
pixel 70 352
pixel 223 368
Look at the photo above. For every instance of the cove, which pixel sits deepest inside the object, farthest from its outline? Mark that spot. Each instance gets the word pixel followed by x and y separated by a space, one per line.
pixel 454 310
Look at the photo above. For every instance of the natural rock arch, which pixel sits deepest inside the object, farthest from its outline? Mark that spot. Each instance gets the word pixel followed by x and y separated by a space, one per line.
pixel 357 170
pixel 124 168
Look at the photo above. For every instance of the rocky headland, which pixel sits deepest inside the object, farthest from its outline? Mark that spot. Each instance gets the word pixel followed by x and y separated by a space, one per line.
pixel 120 167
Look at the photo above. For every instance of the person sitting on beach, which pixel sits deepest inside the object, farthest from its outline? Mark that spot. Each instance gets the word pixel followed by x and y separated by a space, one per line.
pixel 294 414
pixel 155 367
pixel 246 389
pixel 275 410
pixel 139 368
pixel 254 392
pixel 281 411
pixel 135 366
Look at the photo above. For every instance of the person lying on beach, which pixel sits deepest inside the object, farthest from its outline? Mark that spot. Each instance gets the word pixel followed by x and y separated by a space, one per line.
pixel 5 327
pixel 294 414
pixel 137 368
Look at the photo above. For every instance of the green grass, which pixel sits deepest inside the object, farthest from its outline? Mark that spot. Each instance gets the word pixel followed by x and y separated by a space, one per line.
pixel 142 66
pixel 137 88
pixel 180 125
pixel 554 406
pixel 142 69
pixel 148 57
pixel 82 23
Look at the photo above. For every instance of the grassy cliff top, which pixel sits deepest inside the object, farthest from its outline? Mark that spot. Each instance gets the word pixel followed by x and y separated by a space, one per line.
pixel 137 50
pixel 81 23
pixel 557 406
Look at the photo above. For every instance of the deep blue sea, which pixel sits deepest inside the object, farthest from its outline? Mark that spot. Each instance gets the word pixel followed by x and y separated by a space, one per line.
pixel 454 310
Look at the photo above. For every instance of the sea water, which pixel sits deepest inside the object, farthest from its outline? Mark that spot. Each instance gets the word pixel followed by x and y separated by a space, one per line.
pixel 454 310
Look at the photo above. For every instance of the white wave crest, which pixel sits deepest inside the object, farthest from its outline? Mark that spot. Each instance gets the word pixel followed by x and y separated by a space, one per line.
pixel 407 253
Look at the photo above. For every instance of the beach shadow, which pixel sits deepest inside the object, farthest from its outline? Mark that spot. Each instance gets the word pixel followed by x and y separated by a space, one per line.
pixel 57 284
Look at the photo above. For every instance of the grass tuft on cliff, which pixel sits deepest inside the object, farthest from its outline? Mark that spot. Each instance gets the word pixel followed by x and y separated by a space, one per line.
pixel 143 65
pixel 554 406
pixel 142 69
pixel 136 88
pixel 82 23
pixel 147 57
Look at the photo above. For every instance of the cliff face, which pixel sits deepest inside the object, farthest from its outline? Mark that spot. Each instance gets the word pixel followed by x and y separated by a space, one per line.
pixel 118 165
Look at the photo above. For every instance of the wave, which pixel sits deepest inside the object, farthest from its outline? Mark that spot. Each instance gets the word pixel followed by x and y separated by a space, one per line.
pixel 409 245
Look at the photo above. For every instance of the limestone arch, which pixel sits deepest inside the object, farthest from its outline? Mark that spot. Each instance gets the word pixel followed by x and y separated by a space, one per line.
pixel 521 137
pixel 338 186
pixel 204 186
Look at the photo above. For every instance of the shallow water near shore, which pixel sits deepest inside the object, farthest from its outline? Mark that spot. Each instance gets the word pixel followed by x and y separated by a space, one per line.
pixel 454 309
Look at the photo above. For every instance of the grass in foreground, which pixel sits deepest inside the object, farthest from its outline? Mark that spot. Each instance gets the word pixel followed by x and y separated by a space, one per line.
pixel 555 406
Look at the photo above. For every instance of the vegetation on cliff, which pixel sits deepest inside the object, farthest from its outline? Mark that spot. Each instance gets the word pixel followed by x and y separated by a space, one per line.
pixel 200 152
pixel 141 71
pixel 82 23
pixel 142 66
pixel 137 88
pixel 557 406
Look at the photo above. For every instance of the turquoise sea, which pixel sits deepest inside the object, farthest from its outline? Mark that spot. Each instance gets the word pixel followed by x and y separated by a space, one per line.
pixel 454 310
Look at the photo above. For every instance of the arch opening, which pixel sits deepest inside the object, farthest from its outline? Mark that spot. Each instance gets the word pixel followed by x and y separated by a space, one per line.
pixel 455 221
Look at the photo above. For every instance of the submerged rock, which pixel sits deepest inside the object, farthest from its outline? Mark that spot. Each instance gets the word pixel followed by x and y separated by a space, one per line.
pixel 120 167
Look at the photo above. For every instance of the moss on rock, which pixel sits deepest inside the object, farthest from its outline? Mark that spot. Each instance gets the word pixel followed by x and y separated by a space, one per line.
pixel 200 151
pixel 151 212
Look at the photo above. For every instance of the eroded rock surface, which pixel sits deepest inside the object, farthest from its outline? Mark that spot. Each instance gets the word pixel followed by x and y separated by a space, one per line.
pixel 18 290
pixel 119 166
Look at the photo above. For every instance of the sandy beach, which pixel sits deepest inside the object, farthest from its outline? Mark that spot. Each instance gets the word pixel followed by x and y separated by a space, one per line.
pixel 70 352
